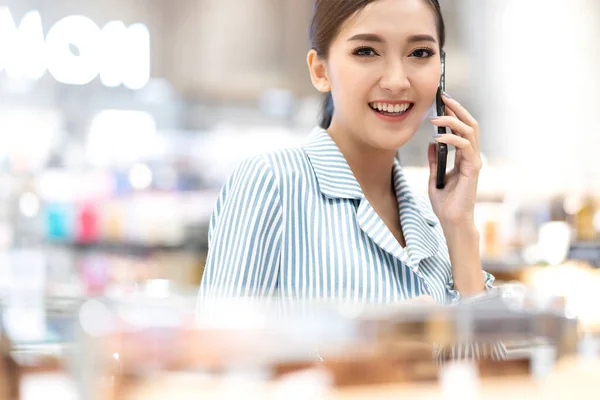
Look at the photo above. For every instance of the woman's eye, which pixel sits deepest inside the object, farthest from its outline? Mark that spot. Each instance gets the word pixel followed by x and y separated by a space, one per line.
pixel 422 53
pixel 365 52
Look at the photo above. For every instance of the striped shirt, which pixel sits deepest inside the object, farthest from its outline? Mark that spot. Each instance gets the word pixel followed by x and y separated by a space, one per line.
pixel 295 223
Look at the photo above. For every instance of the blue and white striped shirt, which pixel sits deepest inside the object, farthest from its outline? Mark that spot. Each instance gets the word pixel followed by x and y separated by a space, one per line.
pixel 295 223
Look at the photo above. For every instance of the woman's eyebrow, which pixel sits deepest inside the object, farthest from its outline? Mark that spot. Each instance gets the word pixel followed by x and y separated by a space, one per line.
pixel 371 37
pixel 421 38
pixel 367 37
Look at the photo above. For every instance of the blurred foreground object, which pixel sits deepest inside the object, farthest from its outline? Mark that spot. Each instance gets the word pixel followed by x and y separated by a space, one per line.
pixel 275 349
pixel 9 372
pixel 37 366
pixel 578 283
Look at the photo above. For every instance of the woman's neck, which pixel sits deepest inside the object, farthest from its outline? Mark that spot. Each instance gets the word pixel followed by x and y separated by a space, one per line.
pixel 372 167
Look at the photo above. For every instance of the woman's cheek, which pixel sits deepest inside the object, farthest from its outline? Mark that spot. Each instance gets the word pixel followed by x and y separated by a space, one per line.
pixel 430 90
pixel 358 75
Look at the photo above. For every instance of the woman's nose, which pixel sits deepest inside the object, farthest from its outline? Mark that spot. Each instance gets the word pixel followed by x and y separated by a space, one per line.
pixel 395 79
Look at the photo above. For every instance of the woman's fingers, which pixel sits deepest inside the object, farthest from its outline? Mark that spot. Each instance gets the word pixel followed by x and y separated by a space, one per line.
pixel 467 152
pixel 460 112
pixel 454 108
pixel 458 128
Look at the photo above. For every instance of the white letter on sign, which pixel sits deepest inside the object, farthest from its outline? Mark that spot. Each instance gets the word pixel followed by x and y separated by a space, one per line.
pixel 22 50
pixel 125 55
pixel 75 33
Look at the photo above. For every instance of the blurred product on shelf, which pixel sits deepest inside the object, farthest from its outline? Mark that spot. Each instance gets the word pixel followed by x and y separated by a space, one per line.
pixel 87 223
pixel 493 245
pixel 112 215
pixel 585 227
pixel 59 222
pixel 95 274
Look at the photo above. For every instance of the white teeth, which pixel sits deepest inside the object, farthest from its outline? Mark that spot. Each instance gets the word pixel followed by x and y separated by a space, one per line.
pixel 397 108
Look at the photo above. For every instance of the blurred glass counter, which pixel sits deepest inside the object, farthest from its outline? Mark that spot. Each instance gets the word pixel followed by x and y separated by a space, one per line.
pixel 158 344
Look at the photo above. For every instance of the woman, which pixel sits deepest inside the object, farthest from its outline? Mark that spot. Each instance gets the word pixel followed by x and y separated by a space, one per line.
pixel 335 218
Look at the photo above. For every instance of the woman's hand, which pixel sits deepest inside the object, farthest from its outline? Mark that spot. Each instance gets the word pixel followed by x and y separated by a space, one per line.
pixel 455 204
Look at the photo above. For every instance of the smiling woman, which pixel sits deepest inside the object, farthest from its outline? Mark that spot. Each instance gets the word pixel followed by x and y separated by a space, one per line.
pixel 335 219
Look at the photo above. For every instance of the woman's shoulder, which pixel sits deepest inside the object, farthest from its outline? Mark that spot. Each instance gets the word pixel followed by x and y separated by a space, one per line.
pixel 286 160
pixel 291 159
pixel 281 163
pixel 269 175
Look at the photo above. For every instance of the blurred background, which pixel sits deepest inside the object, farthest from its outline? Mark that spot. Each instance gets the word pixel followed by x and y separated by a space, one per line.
pixel 121 119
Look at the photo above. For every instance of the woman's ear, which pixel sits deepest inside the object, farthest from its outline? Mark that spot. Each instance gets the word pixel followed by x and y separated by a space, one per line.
pixel 318 71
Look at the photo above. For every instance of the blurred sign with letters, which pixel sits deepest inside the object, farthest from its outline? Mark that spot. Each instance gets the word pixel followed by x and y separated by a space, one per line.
pixel 75 50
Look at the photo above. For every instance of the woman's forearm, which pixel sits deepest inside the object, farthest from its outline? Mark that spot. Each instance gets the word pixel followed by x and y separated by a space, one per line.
pixel 463 246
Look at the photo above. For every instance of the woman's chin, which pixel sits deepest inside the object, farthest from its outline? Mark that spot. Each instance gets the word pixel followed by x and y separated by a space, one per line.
pixel 393 139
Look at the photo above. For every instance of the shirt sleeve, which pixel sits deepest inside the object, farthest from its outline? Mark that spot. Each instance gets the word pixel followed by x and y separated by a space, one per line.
pixel 244 238
pixel 455 294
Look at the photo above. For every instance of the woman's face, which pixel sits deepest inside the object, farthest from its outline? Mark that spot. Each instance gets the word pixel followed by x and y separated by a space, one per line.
pixel 383 71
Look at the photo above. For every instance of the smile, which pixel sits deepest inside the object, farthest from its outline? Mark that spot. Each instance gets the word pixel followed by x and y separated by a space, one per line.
pixel 391 111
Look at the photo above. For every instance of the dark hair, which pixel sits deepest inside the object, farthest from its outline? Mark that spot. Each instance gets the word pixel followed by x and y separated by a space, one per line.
pixel 328 18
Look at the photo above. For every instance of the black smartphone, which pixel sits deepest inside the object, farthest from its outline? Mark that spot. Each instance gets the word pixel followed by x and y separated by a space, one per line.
pixel 442 148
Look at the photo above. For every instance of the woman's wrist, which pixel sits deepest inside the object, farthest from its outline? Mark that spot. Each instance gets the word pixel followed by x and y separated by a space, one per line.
pixel 461 231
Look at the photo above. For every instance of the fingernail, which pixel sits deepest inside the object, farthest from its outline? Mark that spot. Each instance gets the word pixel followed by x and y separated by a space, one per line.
pixel 447 95
pixel 437 135
pixel 433 118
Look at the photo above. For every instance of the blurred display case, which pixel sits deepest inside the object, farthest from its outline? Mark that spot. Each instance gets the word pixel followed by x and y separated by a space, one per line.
pixel 161 342
pixel 280 349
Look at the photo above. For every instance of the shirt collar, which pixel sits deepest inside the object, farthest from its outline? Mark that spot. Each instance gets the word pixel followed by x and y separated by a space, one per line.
pixel 407 198
pixel 336 180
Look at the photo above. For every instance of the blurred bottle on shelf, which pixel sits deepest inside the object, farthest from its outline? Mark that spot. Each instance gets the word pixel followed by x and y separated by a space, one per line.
pixel 584 219
pixel 526 227
pixel 112 221
pixel 557 209
pixel 94 274
pixel 489 220
pixel 87 223
pixel 59 222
